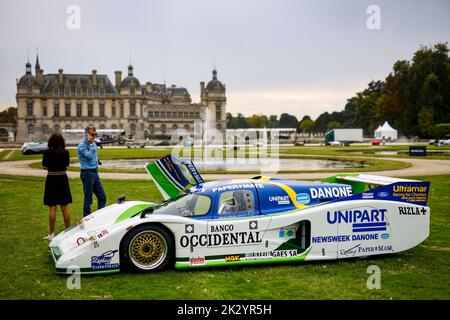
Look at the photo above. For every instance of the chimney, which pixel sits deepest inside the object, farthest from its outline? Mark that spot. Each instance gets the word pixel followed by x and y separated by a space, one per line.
pixel 118 78
pixel 40 76
pixel 60 76
pixel 202 88
pixel 94 77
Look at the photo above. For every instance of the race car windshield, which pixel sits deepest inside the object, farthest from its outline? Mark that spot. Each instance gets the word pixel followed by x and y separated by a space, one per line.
pixel 187 204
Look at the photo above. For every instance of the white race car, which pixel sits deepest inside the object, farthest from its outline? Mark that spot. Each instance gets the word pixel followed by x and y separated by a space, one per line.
pixel 246 221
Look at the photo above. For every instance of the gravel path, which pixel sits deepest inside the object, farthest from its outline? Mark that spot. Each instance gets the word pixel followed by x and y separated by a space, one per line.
pixel 418 167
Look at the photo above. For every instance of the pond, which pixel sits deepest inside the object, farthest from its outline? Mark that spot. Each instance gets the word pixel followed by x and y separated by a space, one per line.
pixel 241 164
pixel 395 153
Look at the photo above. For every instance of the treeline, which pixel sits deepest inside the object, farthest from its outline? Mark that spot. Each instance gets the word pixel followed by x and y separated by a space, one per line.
pixel 8 115
pixel 414 98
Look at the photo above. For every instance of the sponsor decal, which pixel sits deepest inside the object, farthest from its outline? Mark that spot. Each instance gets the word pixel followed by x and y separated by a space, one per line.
pixel 221 228
pixel 188 228
pixel 95 244
pixel 345 238
pixel 361 220
pixel 358 249
pixel 383 194
pixel 271 254
pixel 385 236
pixel 411 193
pixel 303 198
pixel 238 186
pixel 411 211
pixel 280 199
pixel 232 258
pixel 367 195
pixel 222 239
pixel 287 232
pixel 103 262
pixel 284 253
pixel 81 240
pixel 331 192
pixel 197 261
pixel 102 233
pixel 253 225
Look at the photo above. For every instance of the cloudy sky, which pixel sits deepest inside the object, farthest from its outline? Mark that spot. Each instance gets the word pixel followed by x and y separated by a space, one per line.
pixel 301 57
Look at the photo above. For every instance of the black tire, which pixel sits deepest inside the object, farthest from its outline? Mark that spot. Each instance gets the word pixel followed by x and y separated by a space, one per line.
pixel 146 248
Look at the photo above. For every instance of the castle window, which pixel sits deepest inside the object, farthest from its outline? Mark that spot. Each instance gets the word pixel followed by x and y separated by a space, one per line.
pixel 30 90
pixel 133 128
pixel 169 114
pixel 56 110
pixel 180 114
pixel 186 127
pixel 121 110
pixel 185 114
pixel 132 91
pixel 114 126
pixel 29 108
pixel 102 92
pixel 151 128
pixel 67 91
pixel 132 109
pixel 102 109
pixel 197 114
pixel 67 107
pixel 90 110
pixel 113 111
pixel 163 114
pixel 150 114
pixel 191 114
pixel 156 114
pixel 68 127
pixel 45 128
pixel 163 129
pixel 56 129
pixel 218 112
pixel 79 110
pixel 78 92
pixel 61 92
pixel 55 91
pixel 102 126
pixel 30 129
pixel 44 111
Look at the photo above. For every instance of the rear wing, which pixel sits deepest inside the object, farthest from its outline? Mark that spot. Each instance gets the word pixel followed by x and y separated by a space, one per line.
pixel 366 186
pixel 173 175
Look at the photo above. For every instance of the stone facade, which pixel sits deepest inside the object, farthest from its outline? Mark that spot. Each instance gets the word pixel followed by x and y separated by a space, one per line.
pixel 51 102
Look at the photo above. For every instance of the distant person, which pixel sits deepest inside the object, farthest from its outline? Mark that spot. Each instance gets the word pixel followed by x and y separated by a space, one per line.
pixel 57 190
pixel 88 156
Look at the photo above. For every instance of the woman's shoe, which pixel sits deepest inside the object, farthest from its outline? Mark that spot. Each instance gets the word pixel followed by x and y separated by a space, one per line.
pixel 50 237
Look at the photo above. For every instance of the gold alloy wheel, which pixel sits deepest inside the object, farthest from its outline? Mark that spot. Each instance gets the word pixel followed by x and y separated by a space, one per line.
pixel 148 249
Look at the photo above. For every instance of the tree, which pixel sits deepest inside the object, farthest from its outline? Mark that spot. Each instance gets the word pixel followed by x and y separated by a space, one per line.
pixel 288 121
pixel 333 125
pixel 426 123
pixel 273 121
pixel 306 126
pixel 9 115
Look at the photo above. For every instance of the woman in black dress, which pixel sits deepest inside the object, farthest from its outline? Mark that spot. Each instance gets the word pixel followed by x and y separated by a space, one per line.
pixel 57 190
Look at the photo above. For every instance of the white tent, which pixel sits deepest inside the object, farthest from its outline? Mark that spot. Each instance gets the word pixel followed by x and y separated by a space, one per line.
pixel 386 132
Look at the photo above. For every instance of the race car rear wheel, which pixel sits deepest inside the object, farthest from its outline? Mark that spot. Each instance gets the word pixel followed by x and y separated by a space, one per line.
pixel 147 248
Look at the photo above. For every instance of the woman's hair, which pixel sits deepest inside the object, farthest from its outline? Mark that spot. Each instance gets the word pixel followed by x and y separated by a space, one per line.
pixel 56 143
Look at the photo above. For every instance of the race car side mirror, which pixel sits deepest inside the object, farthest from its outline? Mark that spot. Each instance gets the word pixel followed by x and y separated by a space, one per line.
pixel 146 211
pixel 121 199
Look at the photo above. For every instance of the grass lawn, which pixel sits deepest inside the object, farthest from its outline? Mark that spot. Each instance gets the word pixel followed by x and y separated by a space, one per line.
pixel 28 271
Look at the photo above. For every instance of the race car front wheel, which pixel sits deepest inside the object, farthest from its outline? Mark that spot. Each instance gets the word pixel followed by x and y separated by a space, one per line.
pixel 147 248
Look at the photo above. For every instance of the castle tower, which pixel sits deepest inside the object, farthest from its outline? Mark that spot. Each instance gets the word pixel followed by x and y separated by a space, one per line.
pixel 214 100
